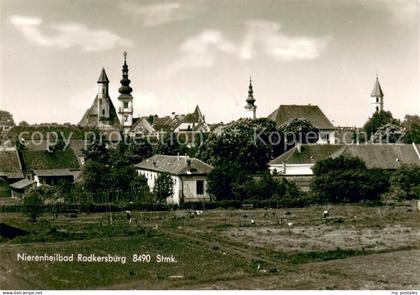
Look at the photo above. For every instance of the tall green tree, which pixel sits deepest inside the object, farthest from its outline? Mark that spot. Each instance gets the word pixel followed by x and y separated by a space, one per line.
pixel 6 119
pixel 252 143
pixel 411 125
pixel 378 120
pixel 299 130
pixel 346 179
pixel 164 187
pixel 33 204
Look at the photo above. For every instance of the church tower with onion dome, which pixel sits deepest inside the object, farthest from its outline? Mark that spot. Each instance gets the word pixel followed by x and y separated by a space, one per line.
pixel 250 107
pixel 125 109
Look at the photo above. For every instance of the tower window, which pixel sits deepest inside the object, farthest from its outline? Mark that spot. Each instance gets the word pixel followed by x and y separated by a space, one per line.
pixel 103 112
pixel 125 104
pixel 377 99
pixel 377 109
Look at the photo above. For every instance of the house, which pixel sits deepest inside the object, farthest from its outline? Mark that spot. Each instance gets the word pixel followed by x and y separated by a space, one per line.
pixel 189 175
pixel 20 187
pixel 313 113
pixel 10 169
pixel 300 159
pixel 50 167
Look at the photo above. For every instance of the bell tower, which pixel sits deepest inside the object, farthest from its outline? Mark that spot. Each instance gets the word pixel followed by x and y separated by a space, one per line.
pixel 103 97
pixel 377 95
pixel 250 107
pixel 125 109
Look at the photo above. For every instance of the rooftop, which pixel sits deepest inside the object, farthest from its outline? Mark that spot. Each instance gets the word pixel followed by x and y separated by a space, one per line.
pixel 386 156
pixel 176 165
pixel 313 113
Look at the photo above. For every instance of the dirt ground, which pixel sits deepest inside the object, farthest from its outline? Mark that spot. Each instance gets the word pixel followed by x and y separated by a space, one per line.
pixel 356 247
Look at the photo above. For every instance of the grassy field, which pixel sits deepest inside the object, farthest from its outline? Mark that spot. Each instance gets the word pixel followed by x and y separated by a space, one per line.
pixel 359 247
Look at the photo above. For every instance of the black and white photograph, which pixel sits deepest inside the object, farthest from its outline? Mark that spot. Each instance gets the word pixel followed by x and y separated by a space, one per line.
pixel 210 145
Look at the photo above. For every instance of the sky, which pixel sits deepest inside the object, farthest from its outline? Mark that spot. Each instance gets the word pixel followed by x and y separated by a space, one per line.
pixel 202 52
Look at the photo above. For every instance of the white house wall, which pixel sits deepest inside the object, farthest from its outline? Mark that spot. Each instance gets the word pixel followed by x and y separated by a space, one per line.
pixel 185 185
pixel 293 169
pixel 331 137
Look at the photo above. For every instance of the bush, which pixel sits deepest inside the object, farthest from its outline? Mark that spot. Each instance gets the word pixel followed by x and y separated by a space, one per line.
pixel 346 179
pixel 405 183
pixel 33 204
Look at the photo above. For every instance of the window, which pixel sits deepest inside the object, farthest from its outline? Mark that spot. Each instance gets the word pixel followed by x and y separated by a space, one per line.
pixel 125 104
pixel 200 187
pixel 377 99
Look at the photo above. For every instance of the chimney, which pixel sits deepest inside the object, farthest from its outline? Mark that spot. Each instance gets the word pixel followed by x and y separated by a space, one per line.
pixel 188 166
pixel 173 115
pixel 298 147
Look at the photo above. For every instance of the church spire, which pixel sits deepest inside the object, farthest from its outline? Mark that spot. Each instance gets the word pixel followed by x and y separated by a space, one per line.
pixel 125 82
pixel 250 99
pixel 377 95
pixel 103 77
pixel 377 90
pixel 250 107
pixel 125 109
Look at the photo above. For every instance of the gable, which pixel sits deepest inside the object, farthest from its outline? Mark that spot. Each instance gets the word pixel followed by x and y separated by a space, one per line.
pixel 90 118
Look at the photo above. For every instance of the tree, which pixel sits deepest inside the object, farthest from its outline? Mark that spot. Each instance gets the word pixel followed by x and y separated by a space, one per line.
pixel 346 179
pixel 377 120
pixel 6 119
pixel 266 187
pixel 96 176
pixel 299 130
pixel 252 143
pixel 23 124
pixel 33 204
pixel 405 183
pixel 164 187
pixel 223 180
pixel 388 133
pixel 411 125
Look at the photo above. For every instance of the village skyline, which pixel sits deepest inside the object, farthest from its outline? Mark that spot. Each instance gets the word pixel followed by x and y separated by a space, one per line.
pixel 180 57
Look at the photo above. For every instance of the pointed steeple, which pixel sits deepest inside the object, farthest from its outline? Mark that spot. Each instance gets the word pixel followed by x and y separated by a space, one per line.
pixel 250 107
pixel 125 82
pixel 250 99
pixel 103 77
pixel 377 90
pixel 377 97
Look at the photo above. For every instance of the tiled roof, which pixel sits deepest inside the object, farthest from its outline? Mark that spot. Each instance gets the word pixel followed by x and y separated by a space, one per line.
pixel 37 160
pixel 22 183
pixel 387 156
pixel 177 165
pixel 53 172
pixel 310 153
pixel 10 165
pixel 377 90
pixel 313 113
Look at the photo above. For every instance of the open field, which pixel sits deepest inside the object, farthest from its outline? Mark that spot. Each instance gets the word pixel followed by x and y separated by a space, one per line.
pixel 360 247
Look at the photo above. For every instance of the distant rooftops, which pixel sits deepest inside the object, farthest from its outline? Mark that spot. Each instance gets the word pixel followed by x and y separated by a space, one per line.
pixel 387 156
pixel 176 165
pixel 313 113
